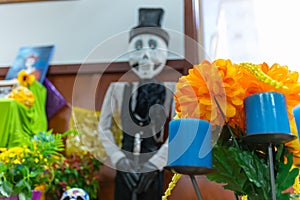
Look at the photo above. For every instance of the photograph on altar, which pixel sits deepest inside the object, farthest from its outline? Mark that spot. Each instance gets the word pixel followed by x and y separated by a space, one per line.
pixel 34 60
pixel 6 86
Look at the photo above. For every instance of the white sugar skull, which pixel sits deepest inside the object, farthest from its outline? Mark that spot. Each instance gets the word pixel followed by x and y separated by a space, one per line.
pixel 75 194
pixel 148 55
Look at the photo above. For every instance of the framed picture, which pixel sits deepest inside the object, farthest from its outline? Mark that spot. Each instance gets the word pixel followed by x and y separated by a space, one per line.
pixel 34 60
pixel 6 87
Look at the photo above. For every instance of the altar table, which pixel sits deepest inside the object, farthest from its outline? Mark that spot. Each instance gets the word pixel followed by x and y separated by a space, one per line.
pixel 17 120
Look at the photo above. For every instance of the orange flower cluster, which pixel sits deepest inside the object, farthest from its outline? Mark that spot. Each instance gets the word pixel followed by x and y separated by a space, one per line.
pixel 195 92
pixel 222 82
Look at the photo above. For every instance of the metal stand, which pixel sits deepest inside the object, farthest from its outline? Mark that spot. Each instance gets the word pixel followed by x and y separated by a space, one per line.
pixel 196 187
pixel 270 152
pixel 270 139
pixel 191 171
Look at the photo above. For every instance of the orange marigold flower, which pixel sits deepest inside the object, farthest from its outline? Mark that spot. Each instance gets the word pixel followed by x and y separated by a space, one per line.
pixel 230 84
pixel 196 93
pixel 292 95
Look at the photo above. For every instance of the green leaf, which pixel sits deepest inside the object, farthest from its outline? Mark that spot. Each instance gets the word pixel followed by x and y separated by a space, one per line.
pixel 224 136
pixel 74 172
pixel 283 196
pixel 24 196
pixel 21 183
pixel 285 177
pixel 280 152
pixel 255 169
pixel 23 186
pixel 6 189
pixel 228 169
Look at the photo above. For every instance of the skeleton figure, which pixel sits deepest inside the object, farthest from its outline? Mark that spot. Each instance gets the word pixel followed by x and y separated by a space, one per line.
pixel 144 108
pixel 75 194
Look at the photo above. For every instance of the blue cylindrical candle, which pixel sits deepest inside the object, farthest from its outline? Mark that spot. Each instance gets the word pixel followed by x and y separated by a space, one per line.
pixel 190 143
pixel 296 112
pixel 266 113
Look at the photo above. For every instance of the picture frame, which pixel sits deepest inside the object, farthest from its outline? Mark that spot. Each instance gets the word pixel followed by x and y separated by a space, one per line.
pixel 6 86
pixel 34 60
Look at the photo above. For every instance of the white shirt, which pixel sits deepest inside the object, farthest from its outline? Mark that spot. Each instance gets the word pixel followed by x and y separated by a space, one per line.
pixel 113 101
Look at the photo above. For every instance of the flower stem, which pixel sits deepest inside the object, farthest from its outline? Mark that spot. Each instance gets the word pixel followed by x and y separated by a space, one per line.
pixel 236 196
pixel 227 125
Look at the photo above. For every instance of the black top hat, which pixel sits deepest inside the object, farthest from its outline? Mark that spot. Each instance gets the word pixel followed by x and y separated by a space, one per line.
pixel 150 22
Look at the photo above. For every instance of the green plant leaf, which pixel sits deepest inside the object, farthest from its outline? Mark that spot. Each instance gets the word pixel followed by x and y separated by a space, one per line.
pixel 75 171
pixel 228 169
pixel 285 177
pixel 6 188
pixel 280 152
pixel 257 172
pixel 283 196
pixel 255 168
pixel 24 196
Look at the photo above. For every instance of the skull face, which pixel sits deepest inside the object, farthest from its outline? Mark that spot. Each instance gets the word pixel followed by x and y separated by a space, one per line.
pixel 148 55
pixel 75 194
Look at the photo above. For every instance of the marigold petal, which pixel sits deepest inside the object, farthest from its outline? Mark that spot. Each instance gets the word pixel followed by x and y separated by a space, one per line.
pixel 230 110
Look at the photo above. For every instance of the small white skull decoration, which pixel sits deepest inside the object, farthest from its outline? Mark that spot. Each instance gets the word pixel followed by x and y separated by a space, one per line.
pixel 75 194
pixel 148 55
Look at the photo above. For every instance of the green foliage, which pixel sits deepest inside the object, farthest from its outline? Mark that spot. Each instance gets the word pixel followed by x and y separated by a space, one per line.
pixel 285 177
pixel 22 168
pixel 80 171
pixel 245 169
pixel 226 169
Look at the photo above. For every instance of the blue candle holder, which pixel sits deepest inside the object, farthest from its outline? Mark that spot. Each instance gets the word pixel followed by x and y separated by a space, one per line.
pixel 267 123
pixel 190 146
pixel 190 149
pixel 296 112
pixel 267 119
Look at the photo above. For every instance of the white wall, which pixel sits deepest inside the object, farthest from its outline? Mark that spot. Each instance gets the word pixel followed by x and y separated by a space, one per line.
pixel 253 31
pixel 80 28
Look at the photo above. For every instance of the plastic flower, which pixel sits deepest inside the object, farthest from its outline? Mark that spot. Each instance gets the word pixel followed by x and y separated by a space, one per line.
pixel 25 79
pixel 229 84
pixel 216 91
pixel 290 87
pixel 196 94
pixel 22 95
pixel 76 170
pixel 22 168
pixel 289 79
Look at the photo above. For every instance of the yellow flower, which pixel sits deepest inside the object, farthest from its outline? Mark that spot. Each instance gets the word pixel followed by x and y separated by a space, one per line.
pixel 31 163
pixel 2 150
pixel 11 155
pixel 16 162
pixel 22 95
pixel 25 79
